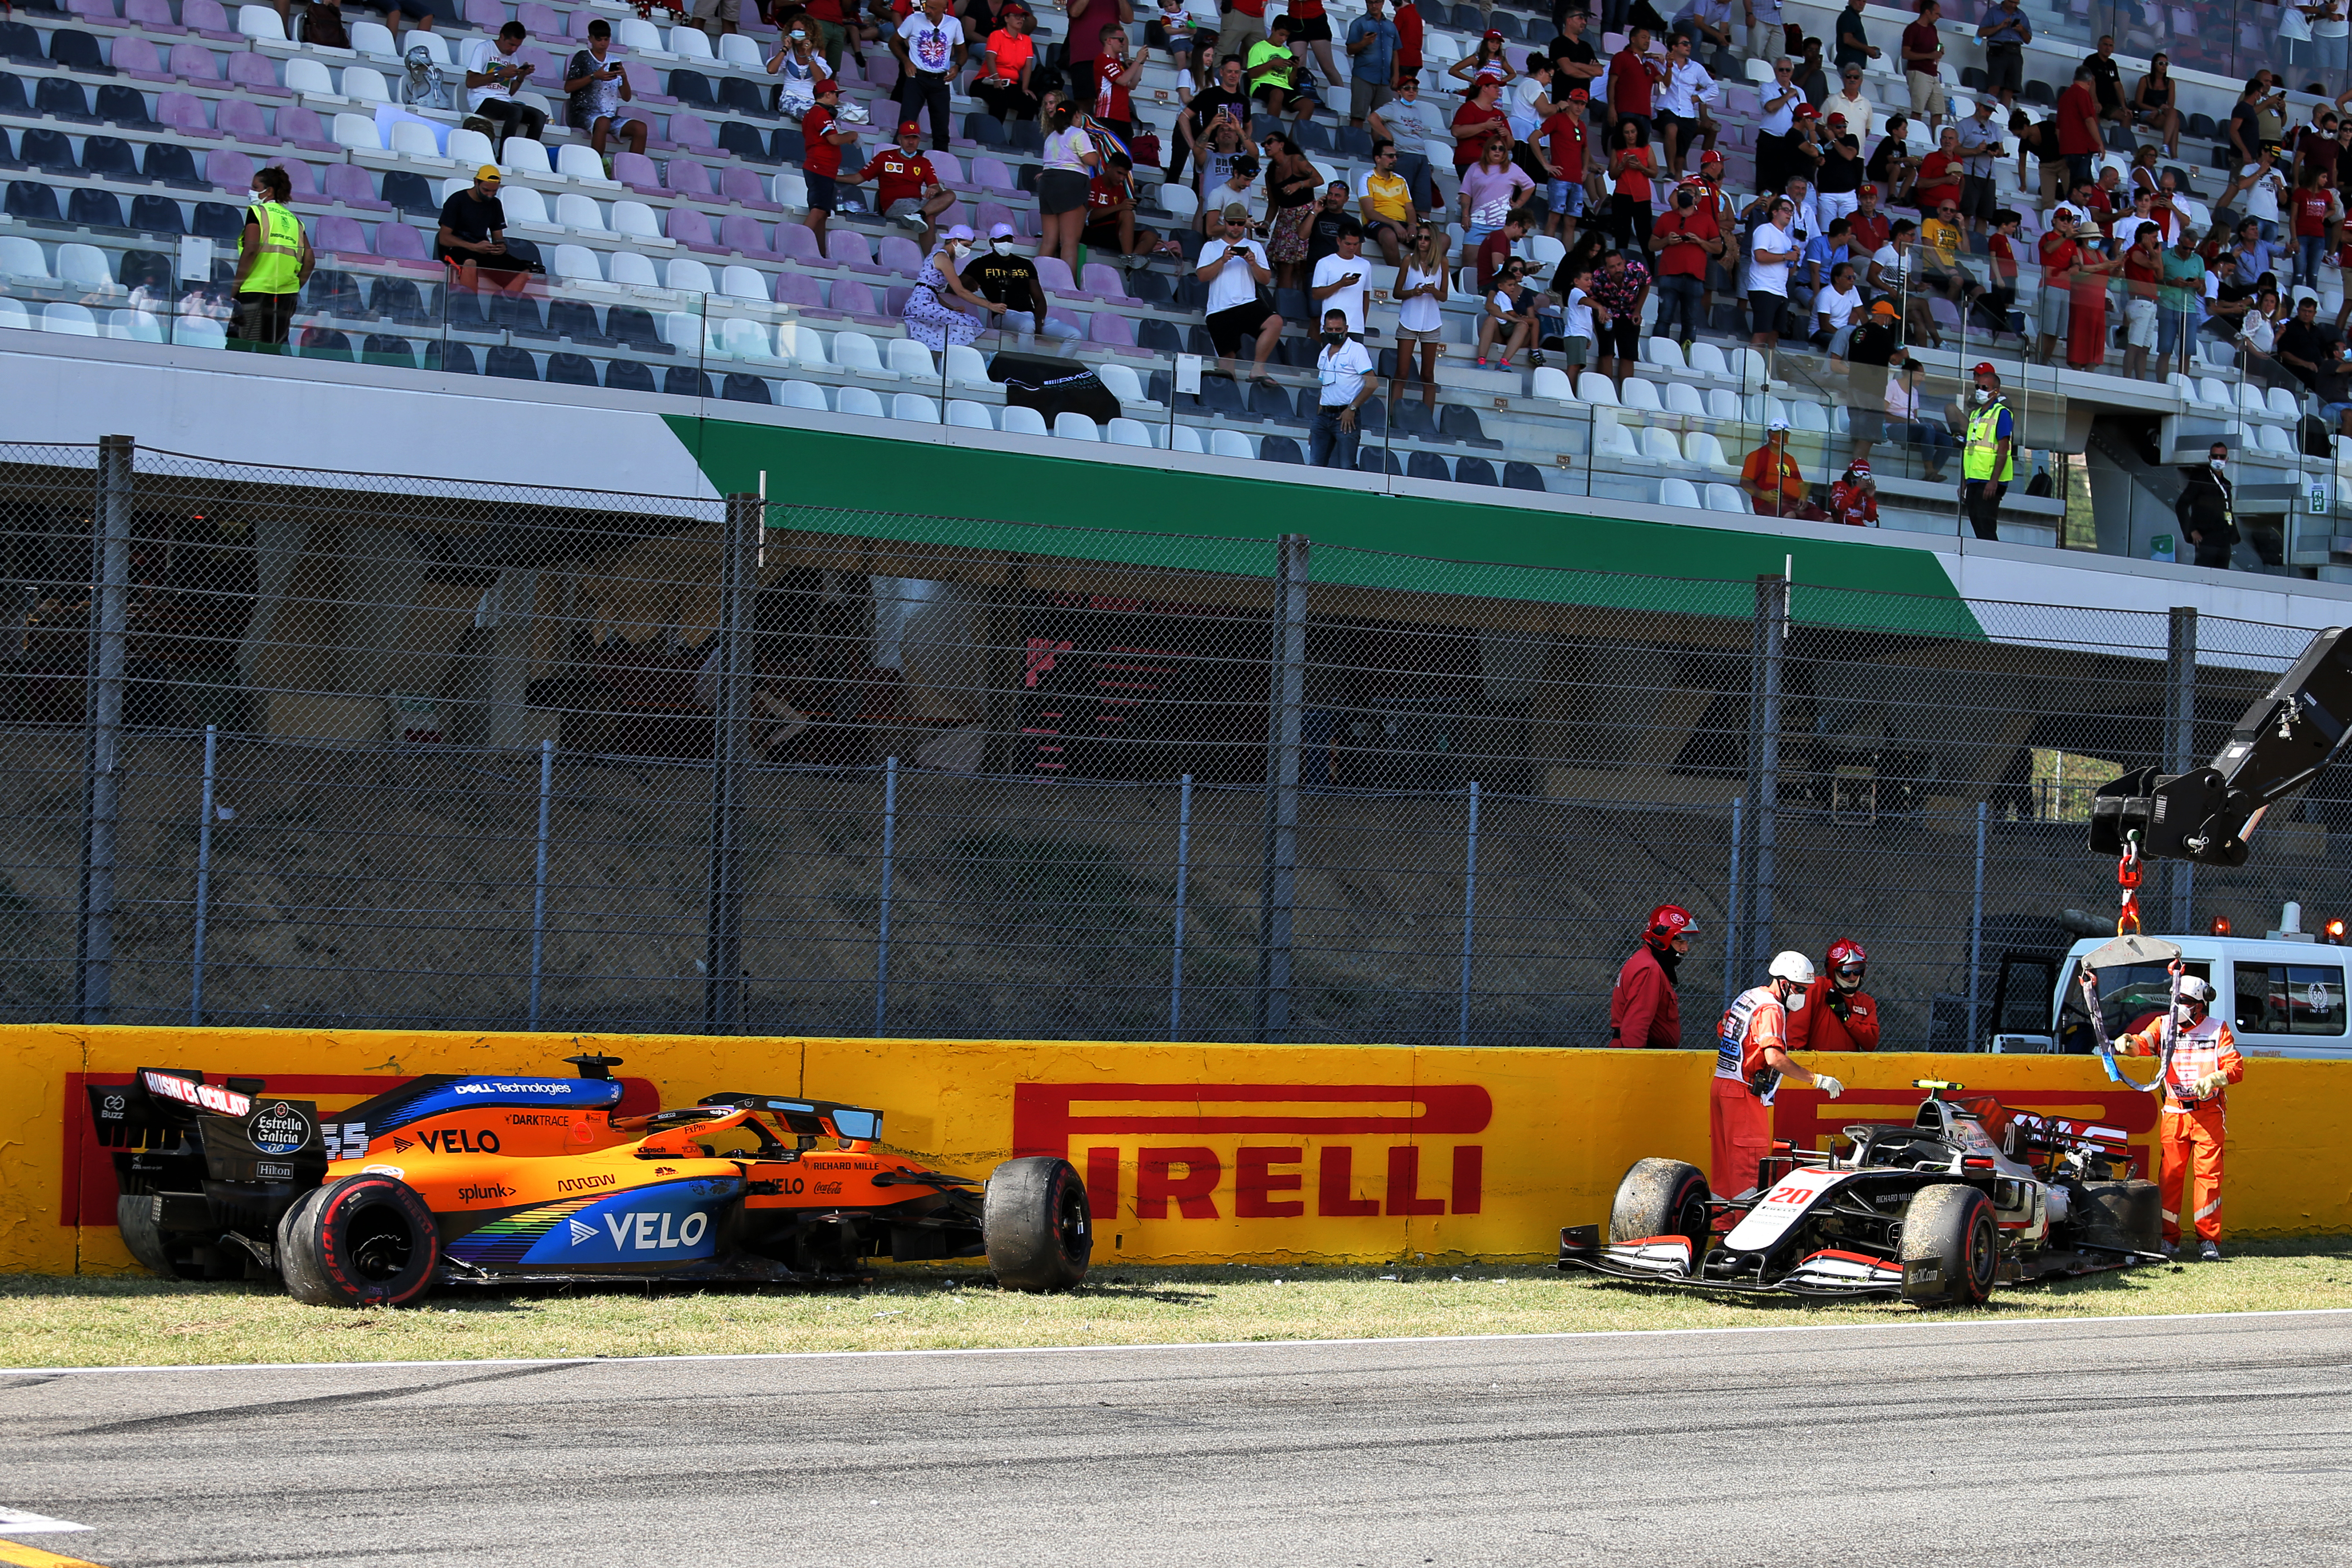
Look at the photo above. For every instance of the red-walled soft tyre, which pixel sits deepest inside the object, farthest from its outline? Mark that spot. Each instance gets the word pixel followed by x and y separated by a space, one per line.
pixel 1035 1224
pixel 367 1240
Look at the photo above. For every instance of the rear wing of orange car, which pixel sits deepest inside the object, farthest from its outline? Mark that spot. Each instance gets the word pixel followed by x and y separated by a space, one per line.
pixel 809 1118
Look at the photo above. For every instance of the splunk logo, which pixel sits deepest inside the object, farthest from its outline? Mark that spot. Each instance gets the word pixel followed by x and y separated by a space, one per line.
pixel 1347 1150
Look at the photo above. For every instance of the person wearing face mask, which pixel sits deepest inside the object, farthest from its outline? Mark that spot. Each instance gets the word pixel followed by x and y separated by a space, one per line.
pixel 1987 453
pixel 1752 1058
pixel 1645 1013
pixel 2199 1064
pixel 799 65
pixel 273 262
pixel 2208 509
pixel 942 313
pixel 1346 372
pixel 1003 275
pixel 1838 1014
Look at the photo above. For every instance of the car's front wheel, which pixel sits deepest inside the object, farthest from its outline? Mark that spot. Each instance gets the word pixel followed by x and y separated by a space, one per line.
pixel 1037 1225
pixel 1663 1197
pixel 1950 1249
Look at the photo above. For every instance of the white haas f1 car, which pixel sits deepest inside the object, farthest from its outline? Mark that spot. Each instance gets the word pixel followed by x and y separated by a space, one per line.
pixel 1967 1194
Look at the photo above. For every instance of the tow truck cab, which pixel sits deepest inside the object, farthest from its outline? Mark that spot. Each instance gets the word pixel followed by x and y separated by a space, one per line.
pixel 2283 995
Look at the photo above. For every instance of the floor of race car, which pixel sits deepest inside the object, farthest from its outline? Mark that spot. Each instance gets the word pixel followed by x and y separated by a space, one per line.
pixel 1613 1449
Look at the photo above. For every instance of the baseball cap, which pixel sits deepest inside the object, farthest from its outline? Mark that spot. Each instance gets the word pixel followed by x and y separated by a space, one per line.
pixel 1493 37
pixel 1858 190
pixel 1706 158
pixel 1805 111
pixel 1836 119
pixel 1777 425
pixel 1883 307
pixel 907 125
pixel 487 172
pixel 1001 231
pixel 1859 466
pixel 1236 212
pixel 1578 92
pixel 961 231
pixel 1984 367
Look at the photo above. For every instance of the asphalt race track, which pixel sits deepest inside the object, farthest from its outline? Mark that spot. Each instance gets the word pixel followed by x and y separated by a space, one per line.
pixel 2205 1440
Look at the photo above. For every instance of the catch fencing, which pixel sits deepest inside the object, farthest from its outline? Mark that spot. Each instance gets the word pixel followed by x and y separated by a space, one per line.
pixel 332 749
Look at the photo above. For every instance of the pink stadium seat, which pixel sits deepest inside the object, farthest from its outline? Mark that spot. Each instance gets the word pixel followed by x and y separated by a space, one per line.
pixel 135 57
pixel 194 63
pixel 299 123
pixel 1055 274
pixel 254 73
pixel 549 71
pixel 686 177
pixel 894 301
pixel 900 255
pixel 990 214
pixel 881 71
pixel 854 297
pixel 209 19
pixel 300 175
pixel 340 235
pixel 690 228
pixel 1110 327
pixel 690 130
pixel 154 16
pixel 1105 280
pixel 229 170
pixel 240 117
pixel 849 249
pixel 797 242
pixel 636 170
pixel 743 187
pixel 646 84
pixel 798 289
pixel 991 174
pixel 543 21
pixel 184 113
pixel 741 233
pixel 485 13
pixel 578 26
pixel 399 242
pixel 348 184
pixel 94 10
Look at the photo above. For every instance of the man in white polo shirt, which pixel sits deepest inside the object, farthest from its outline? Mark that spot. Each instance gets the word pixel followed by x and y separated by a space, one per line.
pixel 1339 283
pixel 1345 368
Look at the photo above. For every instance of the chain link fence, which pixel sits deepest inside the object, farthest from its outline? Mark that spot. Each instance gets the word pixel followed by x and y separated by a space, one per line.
pixel 299 748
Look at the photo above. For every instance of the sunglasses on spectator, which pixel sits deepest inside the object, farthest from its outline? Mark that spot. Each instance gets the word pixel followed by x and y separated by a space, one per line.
pixel 1942 212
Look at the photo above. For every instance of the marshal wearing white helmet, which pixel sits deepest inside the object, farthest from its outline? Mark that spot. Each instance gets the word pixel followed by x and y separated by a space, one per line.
pixel 1751 1057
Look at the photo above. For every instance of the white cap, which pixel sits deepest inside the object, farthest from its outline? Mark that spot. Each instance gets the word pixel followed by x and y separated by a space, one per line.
pixel 1793 966
pixel 1778 425
pixel 1001 231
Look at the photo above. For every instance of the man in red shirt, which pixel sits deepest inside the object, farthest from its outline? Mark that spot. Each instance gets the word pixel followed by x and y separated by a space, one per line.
pixel 1685 238
pixel 1644 1011
pixel 2079 141
pixel 825 136
pixel 1560 144
pixel 905 190
pixel 1923 56
pixel 1939 175
pixel 1631 79
pixel 1495 249
pixel 2060 255
pixel 1854 500
pixel 1866 228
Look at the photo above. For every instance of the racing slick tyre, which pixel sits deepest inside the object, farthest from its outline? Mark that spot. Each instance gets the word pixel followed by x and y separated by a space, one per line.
pixel 1035 1225
pixel 2123 1215
pixel 136 1217
pixel 1952 1228
pixel 1663 1197
pixel 367 1240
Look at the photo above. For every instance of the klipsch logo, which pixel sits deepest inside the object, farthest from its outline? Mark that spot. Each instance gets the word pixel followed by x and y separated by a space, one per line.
pixel 1262 1151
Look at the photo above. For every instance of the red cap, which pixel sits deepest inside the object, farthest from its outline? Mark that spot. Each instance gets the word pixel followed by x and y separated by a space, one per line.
pixel 1872 189
pixel 1494 37
pixel 1859 466
pixel 1578 92
pixel 1837 120
pixel 1806 111
pixel 1984 367
pixel 914 125
pixel 1706 158
pixel 822 87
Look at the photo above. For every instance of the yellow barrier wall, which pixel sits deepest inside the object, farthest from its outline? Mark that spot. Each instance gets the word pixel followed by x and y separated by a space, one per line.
pixel 1195 1153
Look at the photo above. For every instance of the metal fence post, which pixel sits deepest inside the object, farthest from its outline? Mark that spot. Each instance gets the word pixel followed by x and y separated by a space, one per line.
pixel 1469 910
pixel 1731 906
pixel 102 757
pixel 539 877
pixel 1762 820
pixel 1278 883
pixel 203 878
pixel 2179 737
pixel 722 985
pixel 1183 864
pixel 1975 932
pixel 889 858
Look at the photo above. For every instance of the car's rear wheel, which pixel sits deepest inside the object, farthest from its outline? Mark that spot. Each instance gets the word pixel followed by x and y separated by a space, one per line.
pixel 1950 1228
pixel 1663 1197
pixel 2123 1215
pixel 367 1240
pixel 1035 1225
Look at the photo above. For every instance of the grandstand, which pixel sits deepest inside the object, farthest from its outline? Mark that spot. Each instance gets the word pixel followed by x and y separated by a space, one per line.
pixel 130 128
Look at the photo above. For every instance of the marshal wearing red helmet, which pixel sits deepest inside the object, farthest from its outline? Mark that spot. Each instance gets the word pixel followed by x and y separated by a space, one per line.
pixel 1644 1010
pixel 1838 1014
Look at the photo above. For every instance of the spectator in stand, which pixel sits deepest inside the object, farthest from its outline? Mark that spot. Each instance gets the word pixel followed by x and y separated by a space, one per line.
pixel 833 32
pixel 929 49
pixel 796 63
pixel 1632 81
pixel 274 261
pixel 1766 28
pixel 826 138
pixel 1234 268
pixel 493 77
pixel 1372 61
pixel 1310 32
pixel 2250 116
pixel 1338 282
pixel 1854 497
pixel 1344 367
pixel 2178 298
pixel 1707 24
pixel 1850 102
pixel 1244 27
pixel 2155 105
pixel 598 86
pixel 2333 387
pixel 1940 174
pixel 1495 250
pixel 1233 168
pixel 1867 227
pixel 2208 512
pixel 1574 62
pixel 1484 62
pixel 1384 204
pixel 1087 18
pixel 1223 101
pixel 728 15
pixel 2314 213
pixel 1854 47
pixel 1621 287
pixel 1687 238
pixel 1908 426
pixel 1008 67
pixel 1890 165
pixel 1421 295
pixel 1872 344
pixel 2142 265
pixel 1776 132
pixel 2005 31
pixel 1489 193
pixel 472 238
pixel 2087 307
pixel 1837 184
pixel 1292 183
pixel 1773 484
pixel 1272 68
pixel 906 192
pixel 1177 36
pixel 2079 141
pixel 1770 251
pixel 941 311
pixel 1922 60
pixel 1631 165
pixel 1510 318
pixel 1527 103
pixel 1560 147
pixel 1411 115
pixel 2302 344
pixel 2106 79
pixel 1940 242
pixel 1477 122
pixel 1813 76
pixel 1071 160
pixel 1684 90
pixel 1110 228
pixel 1116 73
pixel 1979 141
pixel 1331 220
pixel 1003 275
pixel 1409 37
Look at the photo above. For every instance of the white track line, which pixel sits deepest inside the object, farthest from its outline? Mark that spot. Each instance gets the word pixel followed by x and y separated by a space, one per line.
pixel 1182 1344
pixel 16 1521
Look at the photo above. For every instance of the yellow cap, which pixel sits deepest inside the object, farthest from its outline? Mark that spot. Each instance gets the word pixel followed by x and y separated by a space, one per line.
pixel 487 172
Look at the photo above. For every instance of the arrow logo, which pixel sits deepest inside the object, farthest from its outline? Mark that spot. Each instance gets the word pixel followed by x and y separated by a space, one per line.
pixel 401 1145
pixel 580 1233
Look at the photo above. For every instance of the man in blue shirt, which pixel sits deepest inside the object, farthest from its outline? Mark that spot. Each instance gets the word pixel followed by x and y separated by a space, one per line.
pixel 2005 31
pixel 1371 54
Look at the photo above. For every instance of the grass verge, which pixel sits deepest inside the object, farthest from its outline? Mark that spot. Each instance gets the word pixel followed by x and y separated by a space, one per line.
pixel 49 1322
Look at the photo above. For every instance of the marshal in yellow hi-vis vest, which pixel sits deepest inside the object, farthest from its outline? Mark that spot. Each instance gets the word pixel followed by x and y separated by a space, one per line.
pixel 278 260
pixel 1984 443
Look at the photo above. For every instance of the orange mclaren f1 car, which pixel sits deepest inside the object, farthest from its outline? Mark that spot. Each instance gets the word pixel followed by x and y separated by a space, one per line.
pixel 452 1180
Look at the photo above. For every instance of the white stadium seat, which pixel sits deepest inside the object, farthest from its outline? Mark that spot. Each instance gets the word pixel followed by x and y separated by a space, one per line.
pixel 1023 420
pixel 966 414
pixel 909 358
pixel 803 394
pixel 914 408
pixel 259 22
pixel 860 400
pixel 1075 427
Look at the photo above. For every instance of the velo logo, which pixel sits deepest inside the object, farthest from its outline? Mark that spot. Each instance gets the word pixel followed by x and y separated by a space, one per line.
pixel 460 1141
pixel 1278 1141
pixel 647 1231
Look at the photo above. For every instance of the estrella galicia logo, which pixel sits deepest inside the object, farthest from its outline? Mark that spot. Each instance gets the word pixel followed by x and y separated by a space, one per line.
pixel 278 1129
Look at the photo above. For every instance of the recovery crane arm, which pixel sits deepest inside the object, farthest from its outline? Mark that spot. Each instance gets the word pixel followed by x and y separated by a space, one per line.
pixel 2280 743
